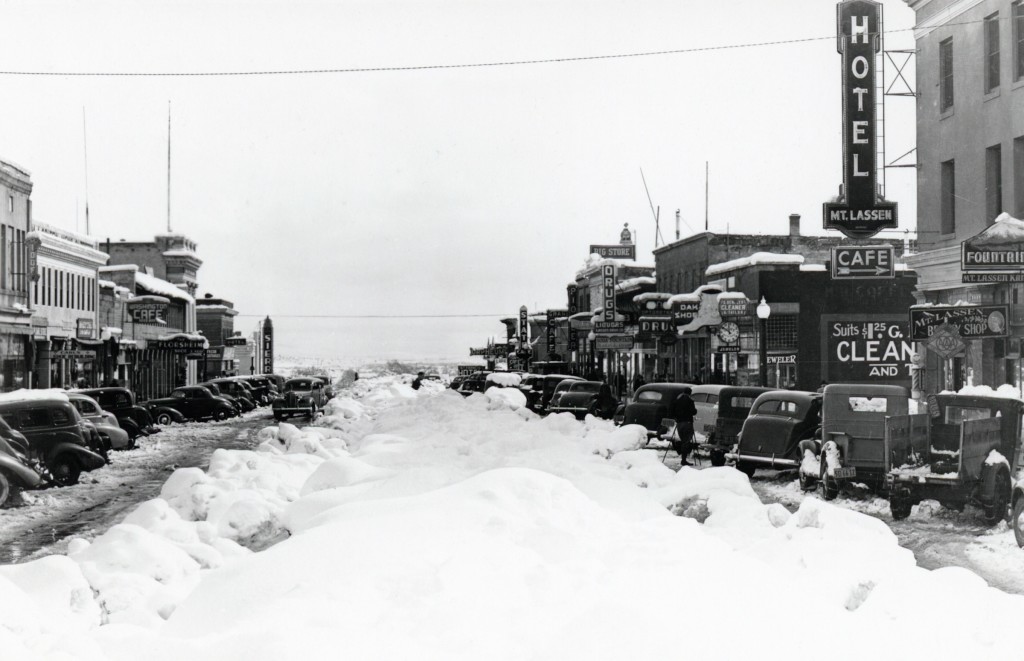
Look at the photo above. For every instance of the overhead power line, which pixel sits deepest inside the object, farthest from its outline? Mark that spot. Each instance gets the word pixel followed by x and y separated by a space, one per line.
pixel 424 67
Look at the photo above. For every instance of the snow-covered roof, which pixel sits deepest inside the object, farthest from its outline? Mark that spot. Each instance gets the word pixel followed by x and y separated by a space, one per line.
pixel 692 297
pixel 633 283
pixel 1005 230
pixel 181 253
pixel 753 260
pixel 652 296
pixel 813 267
pixel 161 287
pixel 118 267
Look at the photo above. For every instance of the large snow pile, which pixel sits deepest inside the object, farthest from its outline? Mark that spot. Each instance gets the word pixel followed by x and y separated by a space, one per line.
pixel 424 525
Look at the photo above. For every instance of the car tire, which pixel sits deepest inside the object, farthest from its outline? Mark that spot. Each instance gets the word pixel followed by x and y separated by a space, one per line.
pixel 312 411
pixel 746 469
pixel 829 485
pixel 900 507
pixel 6 489
pixel 808 482
pixel 164 418
pixel 1016 522
pixel 65 470
pixel 221 414
pixel 717 458
pixel 996 511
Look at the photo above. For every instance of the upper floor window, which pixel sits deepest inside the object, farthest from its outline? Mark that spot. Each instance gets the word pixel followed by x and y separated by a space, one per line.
pixel 1017 19
pixel 948 197
pixel 946 74
pixel 10 203
pixel 991 52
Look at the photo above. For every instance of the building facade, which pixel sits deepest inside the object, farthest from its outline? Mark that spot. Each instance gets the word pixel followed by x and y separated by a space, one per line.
pixel 15 315
pixel 215 320
pixel 69 349
pixel 970 153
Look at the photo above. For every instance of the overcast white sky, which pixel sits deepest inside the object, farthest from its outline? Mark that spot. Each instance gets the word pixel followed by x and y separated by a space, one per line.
pixel 438 191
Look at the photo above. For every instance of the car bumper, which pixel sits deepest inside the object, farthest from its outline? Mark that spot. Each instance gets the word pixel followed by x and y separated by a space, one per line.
pixel 769 461
pixel 291 410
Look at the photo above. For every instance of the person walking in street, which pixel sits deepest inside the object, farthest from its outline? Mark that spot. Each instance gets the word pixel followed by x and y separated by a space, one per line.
pixel 683 411
pixel 418 381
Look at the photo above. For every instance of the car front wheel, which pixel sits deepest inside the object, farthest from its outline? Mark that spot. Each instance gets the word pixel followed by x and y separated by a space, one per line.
pixel 1017 522
pixel 164 418
pixel 66 470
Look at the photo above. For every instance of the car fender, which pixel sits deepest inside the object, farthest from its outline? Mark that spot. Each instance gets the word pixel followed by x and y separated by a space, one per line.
pixel 86 457
pixel 989 474
pixel 175 414
pixel 812 444
pixel 26 477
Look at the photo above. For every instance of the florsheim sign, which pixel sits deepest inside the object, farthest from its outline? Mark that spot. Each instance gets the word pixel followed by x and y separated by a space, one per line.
pixel 859 212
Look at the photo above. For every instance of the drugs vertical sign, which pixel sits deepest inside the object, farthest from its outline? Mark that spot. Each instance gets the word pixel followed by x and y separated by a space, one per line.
pixel 859 212
pixel 608 289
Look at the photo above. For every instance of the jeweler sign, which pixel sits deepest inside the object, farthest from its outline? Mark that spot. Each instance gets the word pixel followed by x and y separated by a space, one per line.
pixel 971 321
pixel 859 212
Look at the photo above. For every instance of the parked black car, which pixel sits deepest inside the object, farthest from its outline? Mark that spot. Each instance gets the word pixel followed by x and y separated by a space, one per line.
pixel 237 389
pixel 778 421
pixel 302 396
pixel 217 392
pixel 583 397
pixel 261 388
pixel 134 419
pixel 195 403
pixel 651 404
pixel 329 385
pixel 56 435
pixel 17 471
pixel 538 399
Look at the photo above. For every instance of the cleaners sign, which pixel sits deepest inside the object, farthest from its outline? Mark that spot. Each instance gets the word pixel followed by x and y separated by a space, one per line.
pixel 864 348
pixel 859 212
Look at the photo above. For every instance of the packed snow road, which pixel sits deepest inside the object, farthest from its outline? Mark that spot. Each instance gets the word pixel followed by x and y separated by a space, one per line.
pixel 49 518
pixel 938 537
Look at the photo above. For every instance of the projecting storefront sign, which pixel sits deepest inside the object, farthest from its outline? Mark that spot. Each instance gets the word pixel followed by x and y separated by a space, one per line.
pixel 608 289
pixel 971 321
pixel 524 325
pixel 862 348
pixel 859 212
pixel 573 309
pixel 863 262
pixel 148 309
pixel 180 345
pixel 73 354
pixel 609 327
pixel 618 251
pixel 728 348
pixel 995 254
pixel 732 307
pixel 613 342
pixel 234 342
pixel 86 329
pixel 684 313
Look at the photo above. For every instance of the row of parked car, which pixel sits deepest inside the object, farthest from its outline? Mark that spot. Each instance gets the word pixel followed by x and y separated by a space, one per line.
pixel 51 437
pixel 954 448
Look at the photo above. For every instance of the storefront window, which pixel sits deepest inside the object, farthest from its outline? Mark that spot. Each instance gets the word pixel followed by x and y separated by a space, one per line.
pixel 12 365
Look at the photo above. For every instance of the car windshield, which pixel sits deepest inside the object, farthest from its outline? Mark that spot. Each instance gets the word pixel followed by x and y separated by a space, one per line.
pixel 777 407
pixel 585 387
pixel 179 394
pixel 298 385
pixel 740 403
pixel 648 396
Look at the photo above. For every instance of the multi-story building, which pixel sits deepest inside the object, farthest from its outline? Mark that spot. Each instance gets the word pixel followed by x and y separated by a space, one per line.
pixel 686 265
pixel 15 275
pixel 970 155
pixel 70 347
pixel 215 319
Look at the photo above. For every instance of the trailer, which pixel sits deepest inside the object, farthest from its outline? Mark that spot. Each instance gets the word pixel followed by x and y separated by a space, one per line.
pixel 958 453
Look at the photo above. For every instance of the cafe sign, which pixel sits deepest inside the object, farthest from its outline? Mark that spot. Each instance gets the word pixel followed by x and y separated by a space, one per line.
pixel 971 321
pixel 859 212
pixel 148 309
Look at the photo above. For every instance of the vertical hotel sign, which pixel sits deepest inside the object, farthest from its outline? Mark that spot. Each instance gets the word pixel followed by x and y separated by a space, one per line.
pixel 859 211
pixel 608 289
pixel 268 346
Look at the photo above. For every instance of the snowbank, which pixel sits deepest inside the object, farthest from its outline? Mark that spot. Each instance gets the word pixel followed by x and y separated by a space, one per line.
pixel 421 524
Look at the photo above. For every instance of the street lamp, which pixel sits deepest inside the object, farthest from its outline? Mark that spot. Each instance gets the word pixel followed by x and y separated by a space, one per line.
pixel 763 312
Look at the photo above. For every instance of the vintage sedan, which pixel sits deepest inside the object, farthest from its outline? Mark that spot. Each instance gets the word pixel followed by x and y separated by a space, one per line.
pixel 779 420
pixel 720 417
pixel 195 403
pixel 56 435
pixel 583 397
pixel 651 404
pixel 302 396
pixel 548 384
pixel 133 418
pixel 105 422
pixel 237 390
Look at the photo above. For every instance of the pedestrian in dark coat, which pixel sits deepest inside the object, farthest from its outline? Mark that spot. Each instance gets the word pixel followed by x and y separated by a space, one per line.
pixel 683 412
pixel 418 381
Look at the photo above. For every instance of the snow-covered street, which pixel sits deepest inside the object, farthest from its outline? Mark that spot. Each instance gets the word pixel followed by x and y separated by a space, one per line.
pixel 418 524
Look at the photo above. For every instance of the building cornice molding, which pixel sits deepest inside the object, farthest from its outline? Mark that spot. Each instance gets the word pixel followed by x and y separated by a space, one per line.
pixel 942 17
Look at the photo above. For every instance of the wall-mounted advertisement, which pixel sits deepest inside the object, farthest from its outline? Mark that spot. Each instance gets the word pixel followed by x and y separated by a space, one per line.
pixel 866 348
